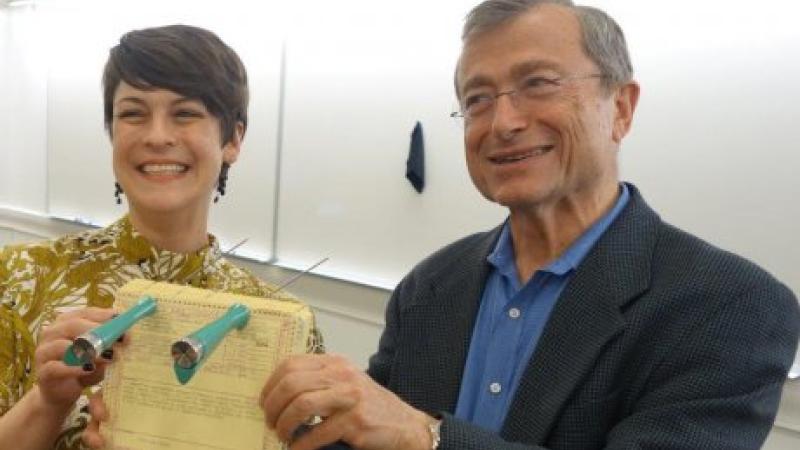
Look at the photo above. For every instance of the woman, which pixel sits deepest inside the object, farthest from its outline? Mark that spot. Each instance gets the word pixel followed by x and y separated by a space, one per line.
pixel 175 102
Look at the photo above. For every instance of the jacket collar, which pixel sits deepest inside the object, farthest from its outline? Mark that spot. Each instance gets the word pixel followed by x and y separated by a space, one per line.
pixel 587 315
pixel 616 271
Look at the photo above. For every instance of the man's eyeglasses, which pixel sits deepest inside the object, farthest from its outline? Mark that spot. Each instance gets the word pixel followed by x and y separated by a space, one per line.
pixel 530 91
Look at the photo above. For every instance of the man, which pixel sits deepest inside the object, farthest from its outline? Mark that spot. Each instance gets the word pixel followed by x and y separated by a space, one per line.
pixel 583 321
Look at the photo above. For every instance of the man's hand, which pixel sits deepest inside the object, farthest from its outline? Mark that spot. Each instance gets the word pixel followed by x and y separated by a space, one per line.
pixel 354 408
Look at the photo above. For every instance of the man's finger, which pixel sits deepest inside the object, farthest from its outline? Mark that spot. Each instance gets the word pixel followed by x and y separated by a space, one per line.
pixel 329 431
pixel 291 365
pixel 286 389
pixel 324 403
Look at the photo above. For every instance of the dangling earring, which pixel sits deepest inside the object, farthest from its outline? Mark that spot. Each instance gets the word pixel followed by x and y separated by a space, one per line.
pixel 223 179
pixel 117 191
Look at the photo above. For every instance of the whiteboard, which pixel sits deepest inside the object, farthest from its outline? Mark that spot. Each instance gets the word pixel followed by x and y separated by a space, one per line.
pixel 355 88
pixel 79 152
pixel 714 146
pixel 23 91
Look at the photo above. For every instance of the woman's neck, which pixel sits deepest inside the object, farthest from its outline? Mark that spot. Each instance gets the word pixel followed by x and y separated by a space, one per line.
pixel 175 232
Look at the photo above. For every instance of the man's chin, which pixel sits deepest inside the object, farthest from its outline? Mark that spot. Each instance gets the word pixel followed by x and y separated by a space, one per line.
pixel 518 200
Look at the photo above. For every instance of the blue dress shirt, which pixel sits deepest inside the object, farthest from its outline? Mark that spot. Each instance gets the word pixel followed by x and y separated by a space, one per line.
pixel 511 319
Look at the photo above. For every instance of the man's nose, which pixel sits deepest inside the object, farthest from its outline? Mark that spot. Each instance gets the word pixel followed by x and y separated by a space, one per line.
pixel 508 118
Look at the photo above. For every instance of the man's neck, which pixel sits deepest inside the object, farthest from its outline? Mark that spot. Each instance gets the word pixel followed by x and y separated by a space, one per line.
pixel 540 235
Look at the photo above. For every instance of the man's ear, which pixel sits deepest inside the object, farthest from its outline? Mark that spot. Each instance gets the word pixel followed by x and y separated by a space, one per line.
pixel 230 152
pixel 625 101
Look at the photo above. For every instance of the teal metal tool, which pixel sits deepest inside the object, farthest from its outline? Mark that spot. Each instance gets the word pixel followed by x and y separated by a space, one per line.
pixel 86 347
pixel 192 351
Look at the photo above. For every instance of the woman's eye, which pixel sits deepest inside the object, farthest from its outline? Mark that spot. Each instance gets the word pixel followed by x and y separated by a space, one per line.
pixel 185 113
pixel 129 113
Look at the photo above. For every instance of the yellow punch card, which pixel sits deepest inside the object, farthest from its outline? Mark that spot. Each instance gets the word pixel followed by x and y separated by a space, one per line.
pixel 218 408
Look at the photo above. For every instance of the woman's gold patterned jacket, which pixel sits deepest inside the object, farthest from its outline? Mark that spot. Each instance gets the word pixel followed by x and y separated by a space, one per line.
pixel 39 281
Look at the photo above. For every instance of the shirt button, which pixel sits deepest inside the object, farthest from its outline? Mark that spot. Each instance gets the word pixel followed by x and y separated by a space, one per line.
pixel 495 388
pixel 513 313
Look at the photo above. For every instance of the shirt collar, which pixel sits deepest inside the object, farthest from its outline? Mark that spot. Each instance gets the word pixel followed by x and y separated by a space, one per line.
pixel 502 257
pixel 136 249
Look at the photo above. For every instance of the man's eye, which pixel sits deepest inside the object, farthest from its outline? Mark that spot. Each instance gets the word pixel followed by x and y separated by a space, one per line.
pixel 539 86
pixel 477 101
pixel 538 82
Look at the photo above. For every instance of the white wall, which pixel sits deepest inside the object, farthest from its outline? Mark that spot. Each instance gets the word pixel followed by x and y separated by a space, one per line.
pixel 352 100
pixel 714 145
pixel 23 102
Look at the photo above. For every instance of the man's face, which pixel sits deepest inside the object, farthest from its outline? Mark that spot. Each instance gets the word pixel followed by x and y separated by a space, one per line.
pixel 529 151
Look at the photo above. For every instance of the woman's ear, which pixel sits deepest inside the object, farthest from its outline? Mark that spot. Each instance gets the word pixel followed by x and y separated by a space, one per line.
pixel 230 152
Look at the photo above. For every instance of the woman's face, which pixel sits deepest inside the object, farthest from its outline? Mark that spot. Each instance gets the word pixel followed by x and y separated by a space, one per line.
pixel 167 150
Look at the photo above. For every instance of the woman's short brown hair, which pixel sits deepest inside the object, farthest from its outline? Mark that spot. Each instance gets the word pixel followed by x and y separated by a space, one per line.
pixel 188 60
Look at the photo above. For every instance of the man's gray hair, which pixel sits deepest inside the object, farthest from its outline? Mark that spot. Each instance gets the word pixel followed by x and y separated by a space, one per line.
pixel 603 39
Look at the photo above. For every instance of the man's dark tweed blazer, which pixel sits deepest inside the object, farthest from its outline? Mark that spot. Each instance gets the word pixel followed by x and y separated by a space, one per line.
pixel 660 341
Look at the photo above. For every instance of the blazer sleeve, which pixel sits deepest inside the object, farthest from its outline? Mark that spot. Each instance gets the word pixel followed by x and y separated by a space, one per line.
pixel 720 386
pixel 380 363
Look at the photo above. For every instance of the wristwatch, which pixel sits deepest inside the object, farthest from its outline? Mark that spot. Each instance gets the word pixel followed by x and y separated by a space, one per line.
pixel 434 428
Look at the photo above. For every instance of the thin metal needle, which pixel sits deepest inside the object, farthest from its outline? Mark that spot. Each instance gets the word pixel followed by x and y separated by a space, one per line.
pixel 296 276
pixel 226 253
pixel 241 243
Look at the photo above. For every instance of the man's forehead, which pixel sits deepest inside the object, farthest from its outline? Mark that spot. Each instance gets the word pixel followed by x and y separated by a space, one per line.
pixel 520 69
pixel 545 35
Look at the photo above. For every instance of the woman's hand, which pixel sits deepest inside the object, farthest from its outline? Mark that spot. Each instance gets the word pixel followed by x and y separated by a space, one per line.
pixel 99 413
pixel 61 385
pixel 45 407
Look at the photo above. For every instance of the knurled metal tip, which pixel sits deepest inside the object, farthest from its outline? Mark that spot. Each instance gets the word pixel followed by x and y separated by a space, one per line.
pixel 86 347
pixel 186 353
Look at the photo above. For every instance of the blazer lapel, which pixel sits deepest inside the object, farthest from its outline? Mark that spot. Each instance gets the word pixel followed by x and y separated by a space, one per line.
pixel 585 318
pixel 444 320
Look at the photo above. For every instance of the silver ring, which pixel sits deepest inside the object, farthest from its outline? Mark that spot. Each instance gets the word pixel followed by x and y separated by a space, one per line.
pixel 312 420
